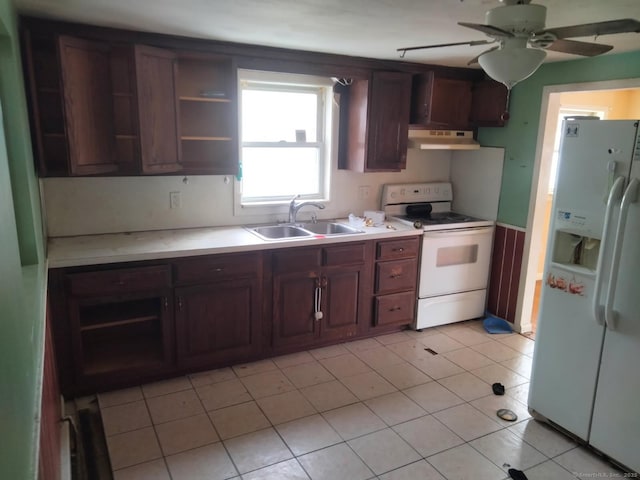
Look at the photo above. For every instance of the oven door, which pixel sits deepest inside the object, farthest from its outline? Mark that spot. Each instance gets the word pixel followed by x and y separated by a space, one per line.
pixel 455 260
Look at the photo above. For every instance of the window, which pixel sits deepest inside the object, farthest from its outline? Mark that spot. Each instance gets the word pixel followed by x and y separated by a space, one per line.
pixel 284 134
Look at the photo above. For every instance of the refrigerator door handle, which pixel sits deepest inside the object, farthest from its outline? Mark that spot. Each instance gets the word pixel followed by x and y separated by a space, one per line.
pixel 614 194
pixel 630 196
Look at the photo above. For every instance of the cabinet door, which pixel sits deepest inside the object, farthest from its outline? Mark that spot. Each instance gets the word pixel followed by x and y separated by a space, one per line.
pixel 218 322
pixel 388 128
pixel 441 102
pixel 158 111
pixel 294 297
pixel 88 110
pixel 341 289
pixel 488 104
pixel 451 102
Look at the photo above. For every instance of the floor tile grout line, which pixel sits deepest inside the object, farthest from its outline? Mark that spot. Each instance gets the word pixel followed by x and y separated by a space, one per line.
pixel 546 458
pixel 360 401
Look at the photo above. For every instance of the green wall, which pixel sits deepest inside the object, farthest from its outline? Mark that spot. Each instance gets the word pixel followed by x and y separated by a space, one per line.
pixel 22 269
pixel 520 136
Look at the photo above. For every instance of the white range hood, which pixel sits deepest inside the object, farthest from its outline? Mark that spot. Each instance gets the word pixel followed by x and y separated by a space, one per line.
pixel 442 140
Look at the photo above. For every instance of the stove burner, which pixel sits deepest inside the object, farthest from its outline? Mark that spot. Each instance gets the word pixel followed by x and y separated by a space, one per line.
pixel 438 218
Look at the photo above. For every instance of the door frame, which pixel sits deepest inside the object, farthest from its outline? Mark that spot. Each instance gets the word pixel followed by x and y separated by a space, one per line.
pixel 539 190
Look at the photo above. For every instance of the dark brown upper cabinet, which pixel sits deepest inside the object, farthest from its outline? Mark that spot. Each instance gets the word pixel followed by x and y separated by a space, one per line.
pixel 439 102
pixel 379 122
pixel 488 104
pixel 156 71
pixel 207 92
pixel 86 88
pixel 70 86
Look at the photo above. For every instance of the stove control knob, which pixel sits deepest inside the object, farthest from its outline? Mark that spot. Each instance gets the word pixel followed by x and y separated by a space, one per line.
pixel 417 224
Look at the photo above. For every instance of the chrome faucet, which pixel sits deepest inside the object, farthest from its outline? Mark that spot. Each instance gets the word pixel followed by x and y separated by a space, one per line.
pixel 294 207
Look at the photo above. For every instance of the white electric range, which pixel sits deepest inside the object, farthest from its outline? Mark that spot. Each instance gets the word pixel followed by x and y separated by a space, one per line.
pixel 456 252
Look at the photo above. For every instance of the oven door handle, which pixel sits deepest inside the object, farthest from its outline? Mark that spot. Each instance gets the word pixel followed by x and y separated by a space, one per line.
pixel 460 232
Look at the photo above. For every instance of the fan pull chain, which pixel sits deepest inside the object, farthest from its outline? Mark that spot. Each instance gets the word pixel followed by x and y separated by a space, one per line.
pixel 506 115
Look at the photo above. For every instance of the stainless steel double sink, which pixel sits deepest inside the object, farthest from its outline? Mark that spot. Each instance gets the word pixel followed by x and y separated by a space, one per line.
pixel 301 230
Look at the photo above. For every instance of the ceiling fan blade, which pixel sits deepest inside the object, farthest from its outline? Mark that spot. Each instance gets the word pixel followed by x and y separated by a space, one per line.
pixel 475 59
pixel 487 29
pixel 624 25
pixel 579 48
pixel 471 43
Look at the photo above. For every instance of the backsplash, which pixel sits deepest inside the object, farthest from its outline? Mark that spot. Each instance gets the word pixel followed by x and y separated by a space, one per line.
pixel 84 206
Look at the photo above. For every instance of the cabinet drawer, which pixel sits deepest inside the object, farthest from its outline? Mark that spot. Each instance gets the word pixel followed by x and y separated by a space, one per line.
pixel 396 276
pixel 126 280
pixel 403 248
pixel 398 308
pixel 296 259
pixel 217 267
pixel 345 254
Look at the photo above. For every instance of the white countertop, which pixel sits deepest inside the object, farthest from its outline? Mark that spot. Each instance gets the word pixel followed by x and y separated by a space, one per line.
pixel 150 245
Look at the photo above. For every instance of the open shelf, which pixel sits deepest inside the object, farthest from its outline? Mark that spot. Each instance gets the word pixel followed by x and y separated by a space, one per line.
pixel 122 336
pixel 117 323
pixel 212 157
pixel 206 138
pixel 111 353
pixel 205 119
pixel 109 315
pixel 49 90
pixel 196 77
pixel 205 99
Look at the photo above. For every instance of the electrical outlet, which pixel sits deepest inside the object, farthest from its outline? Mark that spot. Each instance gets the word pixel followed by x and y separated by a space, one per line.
pixel 175 200
pixel 364 191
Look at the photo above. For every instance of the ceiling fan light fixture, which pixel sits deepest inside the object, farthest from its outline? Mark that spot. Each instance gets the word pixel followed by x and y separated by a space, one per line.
pixel 510 65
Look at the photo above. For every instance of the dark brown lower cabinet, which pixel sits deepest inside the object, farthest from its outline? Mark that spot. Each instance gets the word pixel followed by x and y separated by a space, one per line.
pixel 127 324
pixel 121 325
pixel 218 322
pixel 396 282
pixel 293 309
pixel 318 295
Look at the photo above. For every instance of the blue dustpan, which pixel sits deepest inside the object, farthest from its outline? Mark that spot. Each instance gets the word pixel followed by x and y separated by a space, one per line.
pixel 496 325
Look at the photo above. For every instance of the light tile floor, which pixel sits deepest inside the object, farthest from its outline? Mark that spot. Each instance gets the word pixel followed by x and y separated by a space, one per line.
pixel 377 408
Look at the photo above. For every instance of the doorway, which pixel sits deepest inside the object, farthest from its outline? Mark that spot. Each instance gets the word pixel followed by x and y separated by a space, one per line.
pixel 617 99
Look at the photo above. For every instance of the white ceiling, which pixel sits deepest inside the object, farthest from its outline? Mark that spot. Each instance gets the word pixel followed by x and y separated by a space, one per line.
pixel 367 28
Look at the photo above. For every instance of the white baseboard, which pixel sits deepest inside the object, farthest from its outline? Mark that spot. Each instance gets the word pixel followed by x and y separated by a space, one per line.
pixel 65 443
pixel 65 451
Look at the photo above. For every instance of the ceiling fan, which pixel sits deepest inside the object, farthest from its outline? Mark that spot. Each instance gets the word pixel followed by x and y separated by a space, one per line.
pixel 518 27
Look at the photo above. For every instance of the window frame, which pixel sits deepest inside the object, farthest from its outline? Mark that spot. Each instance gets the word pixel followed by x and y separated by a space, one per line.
pixel 286 82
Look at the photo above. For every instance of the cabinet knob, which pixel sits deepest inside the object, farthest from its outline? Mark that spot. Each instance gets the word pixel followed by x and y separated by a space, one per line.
pixel 217 269
pixel 179 303
pixel 399 249
pixel 166 303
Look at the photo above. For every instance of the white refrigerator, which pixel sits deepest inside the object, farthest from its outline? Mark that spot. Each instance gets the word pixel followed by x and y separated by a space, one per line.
pixel 586 365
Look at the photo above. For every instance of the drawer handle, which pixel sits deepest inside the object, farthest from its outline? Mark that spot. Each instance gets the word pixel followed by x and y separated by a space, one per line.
pixel 400 249
pixel 395 309
pixel 120 283
pixel 217 269
pixel 397 275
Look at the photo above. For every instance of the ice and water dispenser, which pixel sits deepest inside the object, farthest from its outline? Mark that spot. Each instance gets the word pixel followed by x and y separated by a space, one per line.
pixel 573 249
